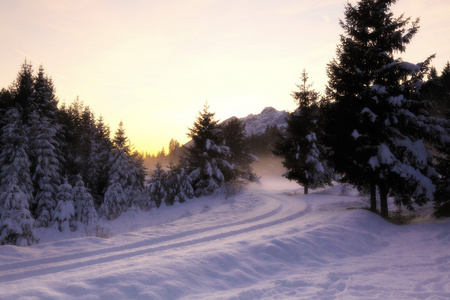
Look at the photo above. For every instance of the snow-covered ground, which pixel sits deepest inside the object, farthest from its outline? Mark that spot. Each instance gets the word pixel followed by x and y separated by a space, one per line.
pixel 269 242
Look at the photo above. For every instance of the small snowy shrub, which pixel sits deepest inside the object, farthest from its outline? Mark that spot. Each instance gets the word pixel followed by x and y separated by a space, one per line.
pixel 64 214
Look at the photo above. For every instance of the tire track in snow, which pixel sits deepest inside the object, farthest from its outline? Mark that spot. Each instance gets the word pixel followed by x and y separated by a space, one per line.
pixel 45 266
pixel 135 245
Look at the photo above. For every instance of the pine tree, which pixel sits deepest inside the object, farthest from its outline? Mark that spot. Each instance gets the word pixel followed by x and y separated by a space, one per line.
pixel 99 161
pixel 16 222
pixel 13 156
pixel 302 152
pixel 206 160
pixel 178 185
pixel 376 124
pixel 158 188
pixel 64 214
pixel 22 89
pixel 45 164
pixel 120 140
pixel 43 146
pixel 114 201
pixel 83 203
pixel 442 198
pixel 127 169
pixel 241 157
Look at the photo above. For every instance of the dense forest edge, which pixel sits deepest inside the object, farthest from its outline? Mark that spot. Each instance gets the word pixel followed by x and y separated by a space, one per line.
pixel 382 125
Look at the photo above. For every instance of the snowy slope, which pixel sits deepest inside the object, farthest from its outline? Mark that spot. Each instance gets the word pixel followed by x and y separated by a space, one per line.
pixel 270 242
pixel 269 116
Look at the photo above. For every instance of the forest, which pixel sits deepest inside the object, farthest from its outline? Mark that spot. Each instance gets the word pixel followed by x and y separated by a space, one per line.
pixel 382 125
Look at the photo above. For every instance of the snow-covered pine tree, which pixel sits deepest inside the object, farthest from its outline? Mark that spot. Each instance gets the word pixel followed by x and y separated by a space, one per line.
pixel 127 169
pixel 45 166
pixel 99 161
pixel 64 214
pixel 241 157
pixel 178 185
pixel 14 146
pixel 207 159
pixel 376 124
pixel 43 98
pixel 22 89
pixel 442 196
pixel 157 186
pixel 121 173
pixel 43 147
pixel 135 191
pixel 83 203
pixel 114 201
pixel 16 222
pixel 302 152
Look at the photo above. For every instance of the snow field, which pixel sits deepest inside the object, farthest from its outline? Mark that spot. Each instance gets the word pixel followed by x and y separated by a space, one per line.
pixel 270 242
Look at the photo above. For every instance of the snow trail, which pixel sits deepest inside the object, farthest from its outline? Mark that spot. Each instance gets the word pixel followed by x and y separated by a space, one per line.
pixel 50 265
pixel 269 242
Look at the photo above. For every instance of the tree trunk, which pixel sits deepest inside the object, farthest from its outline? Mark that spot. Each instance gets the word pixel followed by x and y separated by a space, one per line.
pixel 373 197
pixel 305 190
pixel 383 201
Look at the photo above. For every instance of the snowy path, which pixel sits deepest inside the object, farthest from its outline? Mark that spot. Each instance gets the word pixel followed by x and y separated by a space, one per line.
pixel 269 242
pixel 277 214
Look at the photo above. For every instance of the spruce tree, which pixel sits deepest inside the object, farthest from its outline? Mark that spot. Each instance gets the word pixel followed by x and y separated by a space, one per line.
pixel 16 222
pixel 206 160
pixel 22 89
pixel 300 148
pixel 115 200
pixel 178 185
pixel 99 161
pixel 158 188
pixel 64 213
pixel 44 146
pixel 241 158
pixel 83 203
pixel 45 165
pixel 127 169
pixel 376 123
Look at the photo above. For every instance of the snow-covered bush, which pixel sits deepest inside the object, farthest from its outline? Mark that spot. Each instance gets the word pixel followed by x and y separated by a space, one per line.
pixel 64 214
pixel 178 185
pixel 157 187
pixel 113 202
pixel 83 203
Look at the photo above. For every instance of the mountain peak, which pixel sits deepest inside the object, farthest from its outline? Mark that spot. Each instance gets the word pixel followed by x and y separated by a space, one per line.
pixel 269 116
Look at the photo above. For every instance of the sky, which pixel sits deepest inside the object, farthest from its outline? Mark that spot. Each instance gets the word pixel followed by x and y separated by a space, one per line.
pixel 154 64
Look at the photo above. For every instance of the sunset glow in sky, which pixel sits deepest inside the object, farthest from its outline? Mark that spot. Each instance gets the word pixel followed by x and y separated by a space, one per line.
pixel 153 64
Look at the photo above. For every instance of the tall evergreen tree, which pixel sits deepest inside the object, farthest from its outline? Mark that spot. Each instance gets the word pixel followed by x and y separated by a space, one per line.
pixel 376 123
pixel 14 144
pixel 22 89
pixel 206 160
pixel 99 161
pixel 16 222
pixel 127 169
pixel 302 152
pixel 44 146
